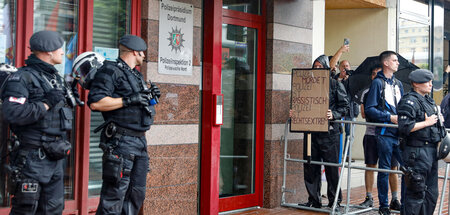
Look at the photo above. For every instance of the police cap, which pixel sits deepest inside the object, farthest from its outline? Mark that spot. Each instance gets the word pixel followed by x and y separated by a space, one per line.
pixel 420 76
pixel 133 42
pixel 46 41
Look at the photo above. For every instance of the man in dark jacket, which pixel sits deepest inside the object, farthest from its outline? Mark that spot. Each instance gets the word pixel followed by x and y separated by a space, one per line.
pixel 325 145
pixel 353 111
pixel 381 106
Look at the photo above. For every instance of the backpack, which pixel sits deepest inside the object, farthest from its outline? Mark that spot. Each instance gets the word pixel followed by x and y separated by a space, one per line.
pixel 5 71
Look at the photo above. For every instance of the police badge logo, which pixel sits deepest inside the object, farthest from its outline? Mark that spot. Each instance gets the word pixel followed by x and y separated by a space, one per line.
pixel 176 39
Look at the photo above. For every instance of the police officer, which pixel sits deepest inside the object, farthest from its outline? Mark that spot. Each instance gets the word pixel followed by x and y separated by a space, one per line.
pixel 121 94
pixel 34 104
pixel 417 124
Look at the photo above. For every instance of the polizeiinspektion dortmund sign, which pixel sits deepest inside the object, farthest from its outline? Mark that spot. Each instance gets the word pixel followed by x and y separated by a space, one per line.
pixel 175 38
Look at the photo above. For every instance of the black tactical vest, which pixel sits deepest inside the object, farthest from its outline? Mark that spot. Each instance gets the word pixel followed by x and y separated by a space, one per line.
pixel 428 134
pixel 132 117
pixel 58 119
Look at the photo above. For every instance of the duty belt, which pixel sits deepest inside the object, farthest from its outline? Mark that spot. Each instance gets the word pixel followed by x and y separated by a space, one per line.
pixel 129 132
pixel 420 143
pixel 43 138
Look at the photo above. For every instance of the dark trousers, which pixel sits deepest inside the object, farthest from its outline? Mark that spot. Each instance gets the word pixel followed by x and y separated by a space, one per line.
pixel 127 196
pixel 423 162
pixel 324 147
pixel 388 148
pixel 49 196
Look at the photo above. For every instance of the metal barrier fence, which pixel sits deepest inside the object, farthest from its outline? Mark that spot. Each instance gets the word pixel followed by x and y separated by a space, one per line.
pixel 342 164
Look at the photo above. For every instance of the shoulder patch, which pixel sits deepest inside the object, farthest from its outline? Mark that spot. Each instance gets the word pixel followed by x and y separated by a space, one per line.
pixel 20 100
pixel 14 77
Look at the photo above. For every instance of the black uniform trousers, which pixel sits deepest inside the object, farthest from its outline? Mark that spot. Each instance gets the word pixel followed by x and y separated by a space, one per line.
pixel 324 147
pixel 127 196
pixel 424 163
pixel 49 197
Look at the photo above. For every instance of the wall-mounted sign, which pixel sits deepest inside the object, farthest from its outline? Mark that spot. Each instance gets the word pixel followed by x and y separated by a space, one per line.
pixel 175 38
pixel 110 54
pixel 310 101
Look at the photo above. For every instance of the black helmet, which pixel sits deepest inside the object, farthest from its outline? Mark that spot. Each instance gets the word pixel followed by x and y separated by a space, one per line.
pixel 444 149
pixel 85 66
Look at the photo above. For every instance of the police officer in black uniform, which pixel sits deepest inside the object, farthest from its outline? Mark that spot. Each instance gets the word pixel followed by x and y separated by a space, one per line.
pixel 420 129
pixel 121 94
pixel 35 105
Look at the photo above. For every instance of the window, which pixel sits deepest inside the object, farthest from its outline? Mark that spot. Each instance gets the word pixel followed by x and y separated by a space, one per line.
pixel 408 46
pixel 419 7
pixel 247 6
pixel 7 31
pixel 7 35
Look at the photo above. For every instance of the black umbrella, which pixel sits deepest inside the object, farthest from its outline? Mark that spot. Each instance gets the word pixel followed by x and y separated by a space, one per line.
pixel 360 79
pixel 403 71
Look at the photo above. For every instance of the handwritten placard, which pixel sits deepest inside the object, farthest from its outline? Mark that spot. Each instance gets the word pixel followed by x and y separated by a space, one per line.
pixel 310 90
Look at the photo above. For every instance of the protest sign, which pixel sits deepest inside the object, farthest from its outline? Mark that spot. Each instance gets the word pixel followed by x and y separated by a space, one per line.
pixel 309 100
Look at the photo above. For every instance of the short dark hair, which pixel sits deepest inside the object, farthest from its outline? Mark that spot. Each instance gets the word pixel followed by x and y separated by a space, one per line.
pixel 123 49
pixel 385 55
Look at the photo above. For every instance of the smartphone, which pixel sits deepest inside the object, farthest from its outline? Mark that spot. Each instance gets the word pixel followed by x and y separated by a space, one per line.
pixel 346 41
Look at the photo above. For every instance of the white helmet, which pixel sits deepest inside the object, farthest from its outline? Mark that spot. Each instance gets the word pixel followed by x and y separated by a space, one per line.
pixel 5 71
pixel 7 68
pixel 85 66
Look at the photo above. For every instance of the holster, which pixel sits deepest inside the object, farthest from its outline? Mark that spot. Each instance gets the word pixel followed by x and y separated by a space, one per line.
pixel 112 168
pixel 415 182
pixel 14 169
pixel 402 143
pixel 27 195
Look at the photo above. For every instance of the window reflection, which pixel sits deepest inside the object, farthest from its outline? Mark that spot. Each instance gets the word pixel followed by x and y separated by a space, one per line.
pixel 7 35
pixel 7 31
pixel 246 6
pixel 419 7
pixel 413 42
pixel 237 134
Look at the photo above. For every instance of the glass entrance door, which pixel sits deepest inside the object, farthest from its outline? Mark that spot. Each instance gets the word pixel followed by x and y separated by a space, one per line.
pixel 233 69
pixel 237 134
pixel 242 134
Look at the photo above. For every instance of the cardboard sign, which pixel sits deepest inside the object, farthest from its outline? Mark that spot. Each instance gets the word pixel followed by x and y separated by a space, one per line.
pixel 310 99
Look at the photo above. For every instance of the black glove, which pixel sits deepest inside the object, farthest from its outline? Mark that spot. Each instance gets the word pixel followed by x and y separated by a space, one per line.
pixel 155 91
pixel 75 91
pixel 76 94
pixel 53 97
pixel 136 99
